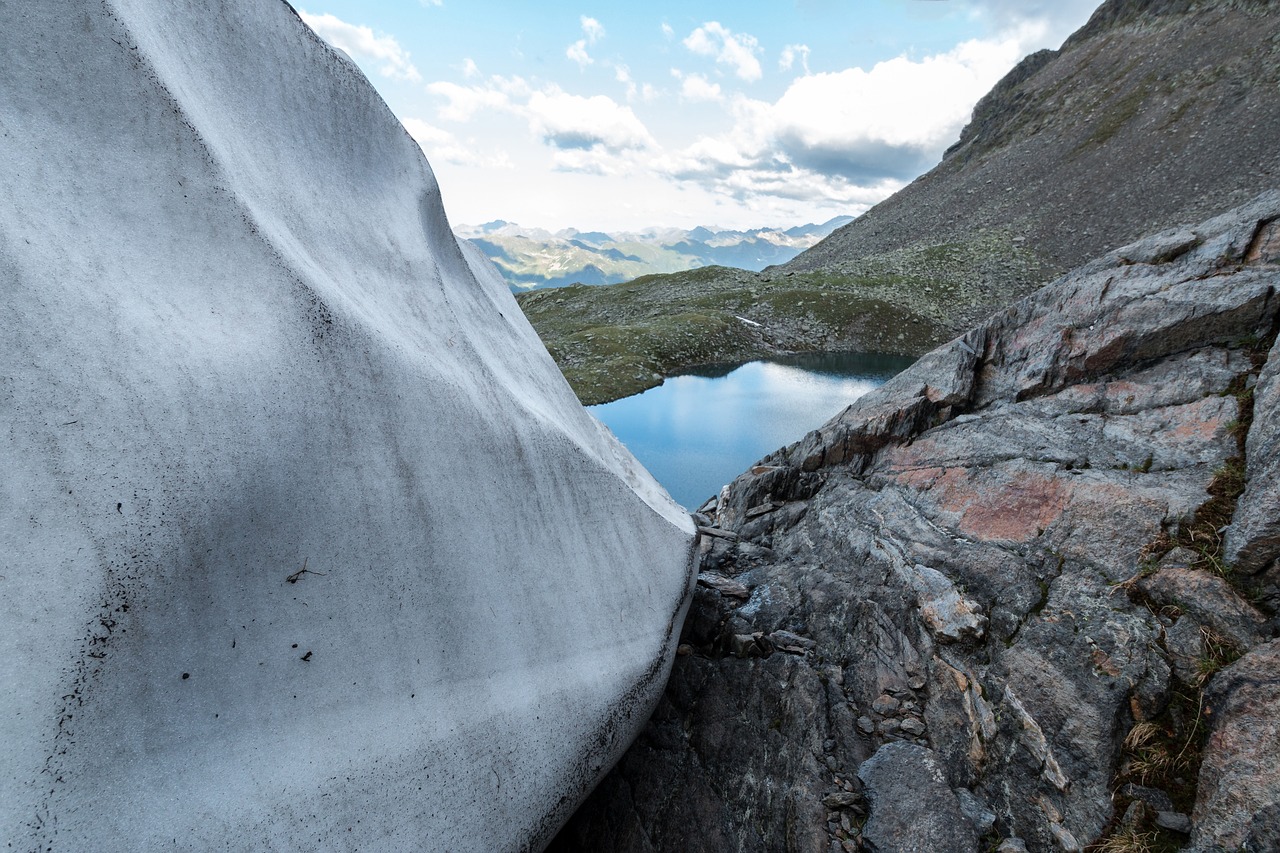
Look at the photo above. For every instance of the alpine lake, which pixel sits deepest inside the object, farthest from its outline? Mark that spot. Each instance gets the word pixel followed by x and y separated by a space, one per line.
pixel 697 431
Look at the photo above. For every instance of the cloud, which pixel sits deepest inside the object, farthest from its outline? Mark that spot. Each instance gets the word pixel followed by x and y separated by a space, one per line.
pixel 667 31
pixel 469 68
pixel 430 3
pixel 695 87
pixel 578 53
pixel 852 136
pixel 465 101
pixel 597 161
pixel 592 29
pixel 574 122
pixel 586 133
pixel 360 42
pixel 1055 14
pixel 789 55
pixel 592 32
pixel 892 119
pixel 736 50
pixel 1039 23
pixel 439 145
pixel 622 74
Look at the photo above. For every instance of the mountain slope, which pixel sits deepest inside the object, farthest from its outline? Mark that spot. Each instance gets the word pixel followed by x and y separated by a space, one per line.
pixel 1152 115
pixel 1155 113
pixel 307 544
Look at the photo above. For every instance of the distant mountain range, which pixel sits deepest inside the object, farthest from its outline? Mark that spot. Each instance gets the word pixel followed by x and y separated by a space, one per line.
pixel 531 258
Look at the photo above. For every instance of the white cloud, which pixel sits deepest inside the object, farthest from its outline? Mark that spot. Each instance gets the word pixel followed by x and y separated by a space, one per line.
pixel 695 87
pixel 430 3
pixel 792 52
pixel 439 145
pixel 360 42
pixel 574 122
pixel 465 101
pixel 667 31
pixel 891 119
pixel 592 29
pixel 1058 18
pixel 586 133
pixel 737 50
pixel 469 68
pixel 578 53
pixel 597 161
pixel 852 136
pixel 622 74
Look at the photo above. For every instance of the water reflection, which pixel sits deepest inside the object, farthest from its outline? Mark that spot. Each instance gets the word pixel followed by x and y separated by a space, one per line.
pixel 698 431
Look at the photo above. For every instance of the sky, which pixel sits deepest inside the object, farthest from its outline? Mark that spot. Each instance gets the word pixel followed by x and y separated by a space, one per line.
pixel 620 116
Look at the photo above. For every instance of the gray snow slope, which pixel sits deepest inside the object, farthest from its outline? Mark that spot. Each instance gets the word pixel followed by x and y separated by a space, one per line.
pixel 240 339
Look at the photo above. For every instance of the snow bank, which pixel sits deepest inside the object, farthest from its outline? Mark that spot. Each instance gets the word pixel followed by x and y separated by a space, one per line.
pixel 305 542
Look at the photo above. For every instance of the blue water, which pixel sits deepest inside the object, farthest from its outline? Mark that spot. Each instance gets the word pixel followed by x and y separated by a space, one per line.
pixel 698 431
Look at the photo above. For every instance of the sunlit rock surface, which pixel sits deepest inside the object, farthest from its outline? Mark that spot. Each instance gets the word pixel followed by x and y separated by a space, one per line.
pixel 305 542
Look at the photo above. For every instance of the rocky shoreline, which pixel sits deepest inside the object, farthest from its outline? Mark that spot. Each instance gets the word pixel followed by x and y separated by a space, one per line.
pixel 1021 597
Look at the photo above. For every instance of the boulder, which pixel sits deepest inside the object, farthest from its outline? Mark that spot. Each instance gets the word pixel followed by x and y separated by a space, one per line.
pixel 306 542
pixel 1238 802
pixel 913 809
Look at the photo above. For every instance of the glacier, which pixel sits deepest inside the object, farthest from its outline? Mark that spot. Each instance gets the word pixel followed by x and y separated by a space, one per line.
pixel 306 543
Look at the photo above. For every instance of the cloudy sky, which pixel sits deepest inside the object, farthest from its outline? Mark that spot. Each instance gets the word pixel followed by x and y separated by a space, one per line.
pixel 608 115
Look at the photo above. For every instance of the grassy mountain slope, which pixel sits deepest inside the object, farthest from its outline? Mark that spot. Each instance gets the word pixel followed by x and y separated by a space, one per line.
pixel 1157 112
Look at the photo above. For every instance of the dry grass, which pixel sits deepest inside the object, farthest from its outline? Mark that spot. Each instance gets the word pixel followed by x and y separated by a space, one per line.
pixel 1131 839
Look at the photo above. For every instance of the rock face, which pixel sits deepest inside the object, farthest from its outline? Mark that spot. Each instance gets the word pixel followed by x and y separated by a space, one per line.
pixel 1003 571
pixel 306 543
pixel 1239 797
pixel 1253 540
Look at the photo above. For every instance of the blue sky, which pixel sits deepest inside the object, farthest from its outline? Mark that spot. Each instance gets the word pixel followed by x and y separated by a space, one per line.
pixel 612 116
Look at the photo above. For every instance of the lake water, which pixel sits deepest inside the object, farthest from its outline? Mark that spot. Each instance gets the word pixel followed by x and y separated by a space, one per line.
pixel 698 431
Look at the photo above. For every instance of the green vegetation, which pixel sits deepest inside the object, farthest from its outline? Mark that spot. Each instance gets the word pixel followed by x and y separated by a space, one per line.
pixel 618 340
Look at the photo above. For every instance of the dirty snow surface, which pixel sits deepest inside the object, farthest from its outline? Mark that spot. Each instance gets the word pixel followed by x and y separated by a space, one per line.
pixel 305 542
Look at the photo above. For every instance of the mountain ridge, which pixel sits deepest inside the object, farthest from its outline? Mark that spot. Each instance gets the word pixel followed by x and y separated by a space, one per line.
pixel 535 258
pixel 1104 140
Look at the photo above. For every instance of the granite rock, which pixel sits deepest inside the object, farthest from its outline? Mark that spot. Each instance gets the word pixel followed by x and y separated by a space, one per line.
pixel 970 547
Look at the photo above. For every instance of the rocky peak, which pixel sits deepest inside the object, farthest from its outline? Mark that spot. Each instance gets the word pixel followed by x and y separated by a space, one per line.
pixel 1119 13
pixel 1156 112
